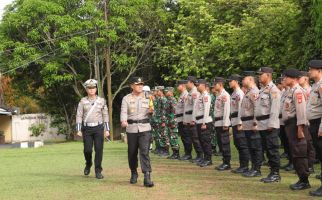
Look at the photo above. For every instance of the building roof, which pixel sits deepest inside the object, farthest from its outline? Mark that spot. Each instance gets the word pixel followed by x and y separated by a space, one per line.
pixel 5 111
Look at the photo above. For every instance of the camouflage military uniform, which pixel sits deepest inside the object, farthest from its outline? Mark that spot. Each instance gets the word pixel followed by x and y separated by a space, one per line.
pixel 161 126
pixel 171 124
pixel 154 124
pixel 212 114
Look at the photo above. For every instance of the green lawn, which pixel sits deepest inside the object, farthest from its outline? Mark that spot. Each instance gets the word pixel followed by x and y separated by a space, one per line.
pixel 55 172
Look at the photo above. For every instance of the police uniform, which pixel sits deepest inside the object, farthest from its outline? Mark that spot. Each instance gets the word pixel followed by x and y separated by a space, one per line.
pixel 314 115
pixel 91 118
pixel 185 138
pixel 135 112
pixel 240 140
pixel 188 120
pixel 267 117
pixel 247 109
pixel 294 115
pixel 202 118
pixel 222 114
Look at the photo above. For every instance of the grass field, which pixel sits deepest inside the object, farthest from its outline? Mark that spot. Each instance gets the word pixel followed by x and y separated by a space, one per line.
pixel 55 172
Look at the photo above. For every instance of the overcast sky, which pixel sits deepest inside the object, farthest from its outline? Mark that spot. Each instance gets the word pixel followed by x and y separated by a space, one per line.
pixel 3 4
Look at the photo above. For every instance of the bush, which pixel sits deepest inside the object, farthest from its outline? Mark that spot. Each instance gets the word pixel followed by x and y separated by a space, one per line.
pixel 37 129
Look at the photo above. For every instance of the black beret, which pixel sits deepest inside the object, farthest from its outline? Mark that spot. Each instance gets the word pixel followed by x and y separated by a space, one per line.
pixel 136 80
pixel 291 73
pixel 265 70
pixel 201 81
pixel 249 73
pixel 234 77
pixel 219 80
pixel 316 64
pixel 304 73
pixel 192 79
pixel 179 82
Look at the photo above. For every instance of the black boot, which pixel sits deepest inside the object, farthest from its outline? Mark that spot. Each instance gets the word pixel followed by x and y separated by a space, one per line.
pixel 165 152
pixel 147 180
pixel 205 163
pixel 186 157
pixel 223 167
pixel 134 177
pixel 175 155
pixel 317 193
pixel 272 177
pixel 99 175
pixel 87 170
pixel 302 184
pixel 252 173
pixel 240 170
pixel 199 158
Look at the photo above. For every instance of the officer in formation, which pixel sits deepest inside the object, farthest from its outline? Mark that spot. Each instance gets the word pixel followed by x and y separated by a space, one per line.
pixel 92 125
pixel 291 110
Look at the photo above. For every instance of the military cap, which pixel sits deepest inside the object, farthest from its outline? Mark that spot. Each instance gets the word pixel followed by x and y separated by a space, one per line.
pixel 249 73
pixel 136 80
pixel 201 81
pixel 304 73
pixel 279 80
pixel 168 89
pixel 90 83
pixel 263 70
pixel 192 79
pixel 218 80
pixel 315 64
pixel 291 73
pixel 179 82
pixel 234 77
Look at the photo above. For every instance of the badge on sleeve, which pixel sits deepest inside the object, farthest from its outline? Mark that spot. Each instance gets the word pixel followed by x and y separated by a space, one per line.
pixel 299 97
pixel 274 94
pixel 194 95
pixel 205 99
pixel 321 88
pixel 224 98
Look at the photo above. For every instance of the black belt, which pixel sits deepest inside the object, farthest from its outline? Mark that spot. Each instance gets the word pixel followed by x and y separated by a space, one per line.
pixel 280 116
pixel 234 115
pixel 291 120
pixel 263 117
pixel 189 112
pixel 199 117
pixel 247 118
pixel 179 115
pixel 219 118
pixel 142 121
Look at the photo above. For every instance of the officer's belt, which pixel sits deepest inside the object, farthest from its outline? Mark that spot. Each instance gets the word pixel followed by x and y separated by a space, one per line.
pixel 280 116
pixel 188 112
pixel 247 118
pixel 263 117
pixel 290 121
pixel 142 121
pixel 93 124
pixel 234 115
pixel 199 117
pixel 219 118
pixel 179 115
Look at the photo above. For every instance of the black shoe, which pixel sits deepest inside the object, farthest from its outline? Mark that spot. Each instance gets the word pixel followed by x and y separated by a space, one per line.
pixel 134 177
pixel 240 170
pixel 311 170
pixel 223 167
pixel 252 173
pixel 147 180
pixel 185 157
pixel 271 178
pixel 205 163
pixel 197 159
pixel 317 193
pixel 99 175
pixel 289 168
pixel 87 170
pixel 300 185
pixel 318 177
pixel 284 155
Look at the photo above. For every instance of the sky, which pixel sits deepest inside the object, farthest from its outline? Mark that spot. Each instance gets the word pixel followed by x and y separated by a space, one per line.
pixel 3 4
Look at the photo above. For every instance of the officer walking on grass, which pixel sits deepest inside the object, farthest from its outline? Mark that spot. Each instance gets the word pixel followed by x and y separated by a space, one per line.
pixel 92 123
pixel 135 114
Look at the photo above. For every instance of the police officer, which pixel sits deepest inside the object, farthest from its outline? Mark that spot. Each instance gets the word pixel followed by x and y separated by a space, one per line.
pixel 171 123
pixel 267 117
pixel 295 120
pixel 204 122
pixel 222 122
pixel 188 121
pixel 247 109
pixel 185 137
pixel 91 119
pixel 135 114
pixel 240 140
pixel 314 113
